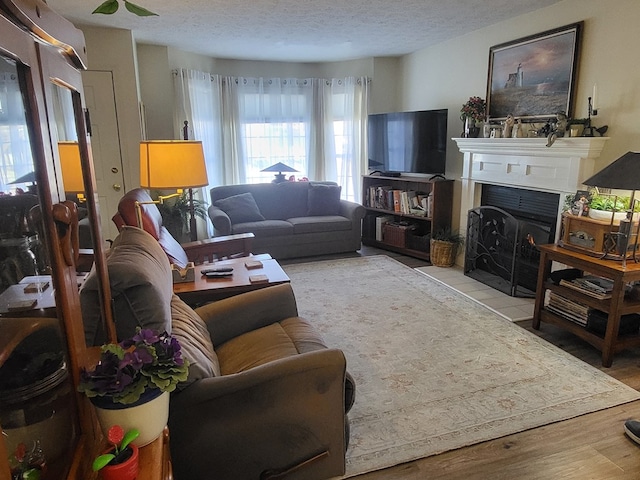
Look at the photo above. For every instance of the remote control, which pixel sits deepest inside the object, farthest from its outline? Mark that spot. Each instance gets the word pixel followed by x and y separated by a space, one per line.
pixel 216 270
pixel 218 274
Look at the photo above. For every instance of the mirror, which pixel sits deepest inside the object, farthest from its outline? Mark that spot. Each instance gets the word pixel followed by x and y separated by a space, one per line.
pixel 37 406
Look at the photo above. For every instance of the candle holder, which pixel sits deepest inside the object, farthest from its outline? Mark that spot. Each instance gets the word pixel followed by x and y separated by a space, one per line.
pixel 589 129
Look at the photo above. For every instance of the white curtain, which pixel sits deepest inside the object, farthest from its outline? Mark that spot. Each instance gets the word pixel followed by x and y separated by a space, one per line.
pixel 15 149
pixel 315 126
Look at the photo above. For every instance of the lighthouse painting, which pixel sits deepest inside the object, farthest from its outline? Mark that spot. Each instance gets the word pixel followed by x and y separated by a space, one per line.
pixel 533 77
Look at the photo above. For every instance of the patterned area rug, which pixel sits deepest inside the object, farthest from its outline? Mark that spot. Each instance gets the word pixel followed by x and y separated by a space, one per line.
pixel 434 370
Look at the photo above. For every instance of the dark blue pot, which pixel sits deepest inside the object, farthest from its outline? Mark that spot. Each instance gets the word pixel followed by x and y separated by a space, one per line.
pixel 107 403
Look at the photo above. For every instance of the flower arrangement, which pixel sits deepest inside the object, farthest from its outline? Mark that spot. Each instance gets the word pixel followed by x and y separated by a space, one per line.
pixel 475 108
pixel 118 453
pixel 126 370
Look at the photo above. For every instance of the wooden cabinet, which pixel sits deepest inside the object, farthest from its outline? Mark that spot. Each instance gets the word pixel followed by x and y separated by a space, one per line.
pixel 395 221
pixel 42 105
pixel 619 304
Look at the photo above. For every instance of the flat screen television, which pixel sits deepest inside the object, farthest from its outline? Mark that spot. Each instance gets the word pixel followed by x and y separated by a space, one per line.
pixel 408 142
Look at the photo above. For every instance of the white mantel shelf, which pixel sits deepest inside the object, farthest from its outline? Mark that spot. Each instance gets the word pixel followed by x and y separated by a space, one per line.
pixel 586 147
pixel 525 163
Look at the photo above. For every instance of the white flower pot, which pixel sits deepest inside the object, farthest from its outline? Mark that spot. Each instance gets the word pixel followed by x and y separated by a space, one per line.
pixel 605 216
pixel 149 418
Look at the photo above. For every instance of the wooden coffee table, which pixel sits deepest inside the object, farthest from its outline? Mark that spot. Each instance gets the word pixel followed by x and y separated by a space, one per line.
pixel 204 290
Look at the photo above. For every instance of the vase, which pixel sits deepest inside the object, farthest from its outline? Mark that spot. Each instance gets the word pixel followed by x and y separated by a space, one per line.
pixel 471 130
pixel 127 470
pixel 149 415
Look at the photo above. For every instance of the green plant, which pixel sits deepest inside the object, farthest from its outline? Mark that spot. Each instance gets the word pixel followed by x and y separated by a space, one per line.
pixel 448 235
pixel 110 7
pixel 178 209
pixel 120 442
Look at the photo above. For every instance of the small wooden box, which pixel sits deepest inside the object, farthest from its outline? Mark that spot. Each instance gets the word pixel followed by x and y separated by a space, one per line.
pixel 588 235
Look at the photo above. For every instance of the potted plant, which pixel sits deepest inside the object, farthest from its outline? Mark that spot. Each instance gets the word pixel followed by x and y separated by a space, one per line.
pixel 176 213
pixel 444 247
pixel 601 207
pixel 120 461
pixel 472 115
pixel 131 383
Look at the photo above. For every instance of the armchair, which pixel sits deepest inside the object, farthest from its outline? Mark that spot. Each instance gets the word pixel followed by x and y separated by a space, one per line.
pixel 278 407
pixel 265 397
pixel 179 254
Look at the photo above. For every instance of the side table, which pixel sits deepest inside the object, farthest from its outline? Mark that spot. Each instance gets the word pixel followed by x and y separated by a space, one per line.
pixel 616 306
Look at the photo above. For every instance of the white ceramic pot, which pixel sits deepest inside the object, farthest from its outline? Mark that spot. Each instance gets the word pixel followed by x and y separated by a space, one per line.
pixel 605 216
pixel 149 418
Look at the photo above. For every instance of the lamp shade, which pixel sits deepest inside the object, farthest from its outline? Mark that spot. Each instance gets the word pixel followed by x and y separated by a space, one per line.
pixel 169 164
pixel 279 167
pixel 71 168
pixel 623 174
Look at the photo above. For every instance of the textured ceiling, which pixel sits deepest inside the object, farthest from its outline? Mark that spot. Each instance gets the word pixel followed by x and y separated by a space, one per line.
pixel 301 30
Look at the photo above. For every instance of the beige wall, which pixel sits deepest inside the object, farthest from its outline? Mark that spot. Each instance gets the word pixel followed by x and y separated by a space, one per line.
pixel 442 76
pixel 446 75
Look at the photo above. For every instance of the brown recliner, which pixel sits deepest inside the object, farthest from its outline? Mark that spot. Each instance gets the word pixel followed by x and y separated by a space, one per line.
pixel 265 397
pixel 179 254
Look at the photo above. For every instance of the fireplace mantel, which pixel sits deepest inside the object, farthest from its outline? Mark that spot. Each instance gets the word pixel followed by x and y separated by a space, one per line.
pixel 525 163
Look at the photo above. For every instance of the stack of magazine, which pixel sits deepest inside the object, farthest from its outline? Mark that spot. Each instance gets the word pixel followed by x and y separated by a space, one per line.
pixel 592 285
pixel 573 311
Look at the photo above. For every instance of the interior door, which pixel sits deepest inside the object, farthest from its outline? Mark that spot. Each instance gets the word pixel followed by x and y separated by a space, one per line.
pixel 105 144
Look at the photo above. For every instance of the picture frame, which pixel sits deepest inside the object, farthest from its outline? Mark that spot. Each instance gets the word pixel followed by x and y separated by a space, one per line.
pixel 533 78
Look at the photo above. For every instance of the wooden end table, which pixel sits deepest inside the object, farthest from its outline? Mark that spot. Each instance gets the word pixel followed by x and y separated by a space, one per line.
pixel 615 306
pixel 204 290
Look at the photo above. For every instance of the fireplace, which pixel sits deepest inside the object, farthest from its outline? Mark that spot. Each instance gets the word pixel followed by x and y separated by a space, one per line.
pixel 502 234
pixel 513 191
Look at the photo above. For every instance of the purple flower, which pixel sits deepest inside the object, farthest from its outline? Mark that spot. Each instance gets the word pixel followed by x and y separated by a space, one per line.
pixel 145 361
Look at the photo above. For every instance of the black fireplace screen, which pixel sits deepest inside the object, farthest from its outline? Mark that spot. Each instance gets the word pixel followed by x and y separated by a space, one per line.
pixel 501 250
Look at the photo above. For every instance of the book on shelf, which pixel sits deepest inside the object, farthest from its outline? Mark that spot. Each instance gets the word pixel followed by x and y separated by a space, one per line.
pixel 406 202
pixel 594 286
pixel 380 221
pixel 593 319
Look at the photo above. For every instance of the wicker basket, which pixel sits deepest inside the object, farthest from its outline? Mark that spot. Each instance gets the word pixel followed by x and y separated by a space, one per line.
pixel 443 254
pixel 395 235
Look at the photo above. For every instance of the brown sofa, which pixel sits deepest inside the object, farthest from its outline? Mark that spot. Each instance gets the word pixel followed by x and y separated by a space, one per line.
pixel 288 219
pixel 264 394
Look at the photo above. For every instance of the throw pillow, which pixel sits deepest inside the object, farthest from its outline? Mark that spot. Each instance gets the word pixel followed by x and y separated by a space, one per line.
pixel 324 199
pixel 240 208
pixel 191 332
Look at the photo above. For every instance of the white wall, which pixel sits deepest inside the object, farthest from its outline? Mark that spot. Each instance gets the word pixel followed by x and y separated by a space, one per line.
pixel 110 49
pixel 446 75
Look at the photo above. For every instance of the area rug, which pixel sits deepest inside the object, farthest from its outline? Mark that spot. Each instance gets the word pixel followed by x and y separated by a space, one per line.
pixel 436 371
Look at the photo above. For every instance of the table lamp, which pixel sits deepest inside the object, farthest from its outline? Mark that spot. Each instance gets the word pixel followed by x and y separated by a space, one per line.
pixel 71 168
pixel 622 174
pixel 174 164
pixel 279 167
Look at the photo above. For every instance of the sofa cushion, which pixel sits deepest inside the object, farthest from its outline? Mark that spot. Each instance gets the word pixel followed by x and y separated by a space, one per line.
pixel 323 199
pixel 267 344
pixel 266 228
pixel 240 208
pixel 141 288
pixel 191 332
pixel 319 224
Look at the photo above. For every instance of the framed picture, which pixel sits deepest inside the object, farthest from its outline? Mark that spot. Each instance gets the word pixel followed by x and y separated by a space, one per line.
pixel 533 77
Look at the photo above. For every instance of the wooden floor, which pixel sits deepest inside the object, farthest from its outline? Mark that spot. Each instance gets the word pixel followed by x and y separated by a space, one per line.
pixel 591 446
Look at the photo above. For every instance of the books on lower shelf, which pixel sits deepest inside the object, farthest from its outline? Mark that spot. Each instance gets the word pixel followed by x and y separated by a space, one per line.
pixel 591 318
pixel 594 286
